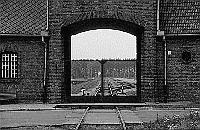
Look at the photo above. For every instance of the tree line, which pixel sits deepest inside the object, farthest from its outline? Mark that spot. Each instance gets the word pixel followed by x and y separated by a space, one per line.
pixel 112 68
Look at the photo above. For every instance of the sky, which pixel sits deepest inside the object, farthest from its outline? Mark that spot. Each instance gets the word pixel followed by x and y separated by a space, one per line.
pixel 103 44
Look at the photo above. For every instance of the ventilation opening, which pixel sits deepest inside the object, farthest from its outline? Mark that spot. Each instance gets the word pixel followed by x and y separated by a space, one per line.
pixel 186 57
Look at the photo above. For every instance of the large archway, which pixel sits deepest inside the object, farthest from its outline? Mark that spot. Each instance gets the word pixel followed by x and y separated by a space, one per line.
pixel 92 24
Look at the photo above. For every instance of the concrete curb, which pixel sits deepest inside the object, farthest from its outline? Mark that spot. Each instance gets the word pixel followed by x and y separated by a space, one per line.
pixel 27 107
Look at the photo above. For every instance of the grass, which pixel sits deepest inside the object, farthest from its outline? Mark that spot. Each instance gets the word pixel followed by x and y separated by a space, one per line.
pixel 190 121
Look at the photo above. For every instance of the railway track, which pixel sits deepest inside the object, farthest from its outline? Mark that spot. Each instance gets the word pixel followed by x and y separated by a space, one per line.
pixel 106 118
pixel 112 87
pixel 118 87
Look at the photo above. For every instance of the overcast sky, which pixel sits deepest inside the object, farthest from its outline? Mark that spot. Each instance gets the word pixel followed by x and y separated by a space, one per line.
pixel 103 43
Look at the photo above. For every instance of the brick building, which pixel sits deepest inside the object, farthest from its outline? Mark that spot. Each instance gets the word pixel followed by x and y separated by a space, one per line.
pixel 35 38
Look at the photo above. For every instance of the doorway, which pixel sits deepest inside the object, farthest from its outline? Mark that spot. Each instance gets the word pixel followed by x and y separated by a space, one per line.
pixel 102 61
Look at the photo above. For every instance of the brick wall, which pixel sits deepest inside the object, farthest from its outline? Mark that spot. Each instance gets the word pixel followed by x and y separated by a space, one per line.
pixel 29 85
pixel 65 12
pixel 176 18
pixel 179 17
pixel 184 78
pixel 159 90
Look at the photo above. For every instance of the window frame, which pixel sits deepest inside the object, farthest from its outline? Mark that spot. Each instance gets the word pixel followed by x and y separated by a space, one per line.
pixel 10 61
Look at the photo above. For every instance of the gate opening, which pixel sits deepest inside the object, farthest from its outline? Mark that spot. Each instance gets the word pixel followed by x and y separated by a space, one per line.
pixel 109 71
pixel 103 63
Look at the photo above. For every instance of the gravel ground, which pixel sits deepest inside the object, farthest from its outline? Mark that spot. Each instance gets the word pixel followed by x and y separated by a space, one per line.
pixel 101 127
pixel 38 117
pixel 49 119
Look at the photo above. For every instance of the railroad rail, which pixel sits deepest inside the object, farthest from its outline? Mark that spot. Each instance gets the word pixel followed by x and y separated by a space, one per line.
pixel 116 111
pixel 82 119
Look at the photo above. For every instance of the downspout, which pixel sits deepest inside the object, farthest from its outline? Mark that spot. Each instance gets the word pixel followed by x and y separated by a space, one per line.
pixel 165 60
pixel 161 33
pixel 47 28
pixel 158 18
pixel 45 71
pixel 45 33
pixel 158 30
pixel 165 71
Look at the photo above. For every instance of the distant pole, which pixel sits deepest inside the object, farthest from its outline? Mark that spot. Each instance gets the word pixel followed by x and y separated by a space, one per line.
pixel 91 72
pixel 102 73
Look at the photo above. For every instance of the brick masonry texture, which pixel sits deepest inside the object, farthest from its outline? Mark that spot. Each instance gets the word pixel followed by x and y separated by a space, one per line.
pixel 184 77
pixel 176 17
pixel 65 12
pixel 29 85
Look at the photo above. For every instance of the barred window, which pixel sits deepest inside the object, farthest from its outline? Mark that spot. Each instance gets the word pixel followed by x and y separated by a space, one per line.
pixel 9 68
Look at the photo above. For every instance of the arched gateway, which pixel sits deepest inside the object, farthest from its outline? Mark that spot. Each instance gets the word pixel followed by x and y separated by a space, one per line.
pixel 91 24
pixel 168 49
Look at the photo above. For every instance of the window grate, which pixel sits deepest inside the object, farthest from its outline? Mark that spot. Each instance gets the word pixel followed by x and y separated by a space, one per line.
pixel 9 66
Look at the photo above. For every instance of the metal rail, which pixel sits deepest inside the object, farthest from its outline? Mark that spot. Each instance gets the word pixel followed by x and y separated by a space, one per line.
pixel 118 115
pixel 121 118
pixel 82 118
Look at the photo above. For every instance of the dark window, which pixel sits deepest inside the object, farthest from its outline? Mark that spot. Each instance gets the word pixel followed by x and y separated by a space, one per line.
pixel 9 65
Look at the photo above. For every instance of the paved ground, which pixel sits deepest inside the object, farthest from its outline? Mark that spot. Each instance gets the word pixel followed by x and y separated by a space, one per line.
pixel 46 117
pixel 102 116
pixel 130 116
pixel 45 114
pixel 11 107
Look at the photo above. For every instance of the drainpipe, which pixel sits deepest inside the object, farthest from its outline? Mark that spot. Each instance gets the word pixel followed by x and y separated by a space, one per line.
pixel 161 33
pixel 45 33
pixel 47 28
pixel 165 89
pixel 45 71
pixel 165 60
pixel 158 18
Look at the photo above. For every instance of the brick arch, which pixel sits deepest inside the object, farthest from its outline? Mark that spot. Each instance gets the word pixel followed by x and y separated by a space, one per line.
pixel 102 23
pixel 103 14
pixel 98 23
